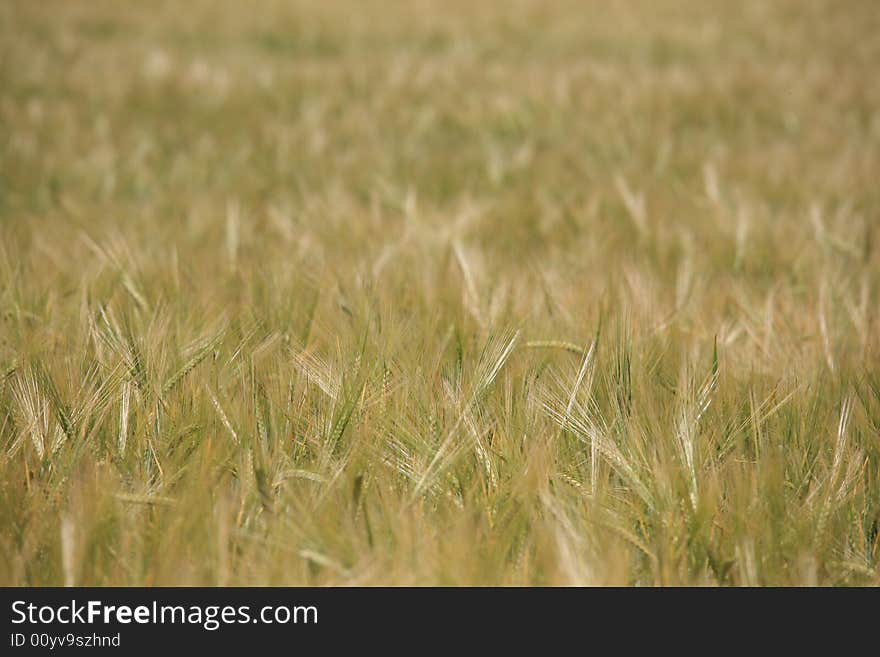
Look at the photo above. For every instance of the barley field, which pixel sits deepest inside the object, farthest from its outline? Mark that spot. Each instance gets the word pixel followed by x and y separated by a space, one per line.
pixel 534 292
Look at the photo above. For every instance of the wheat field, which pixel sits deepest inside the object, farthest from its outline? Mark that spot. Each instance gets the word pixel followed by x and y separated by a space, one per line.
pixel 537 292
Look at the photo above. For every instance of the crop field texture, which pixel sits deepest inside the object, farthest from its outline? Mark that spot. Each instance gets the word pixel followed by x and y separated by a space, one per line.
pixel 533 292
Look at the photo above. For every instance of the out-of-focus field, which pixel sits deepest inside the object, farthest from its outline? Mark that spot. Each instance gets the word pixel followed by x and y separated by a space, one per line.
pixel 528 292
